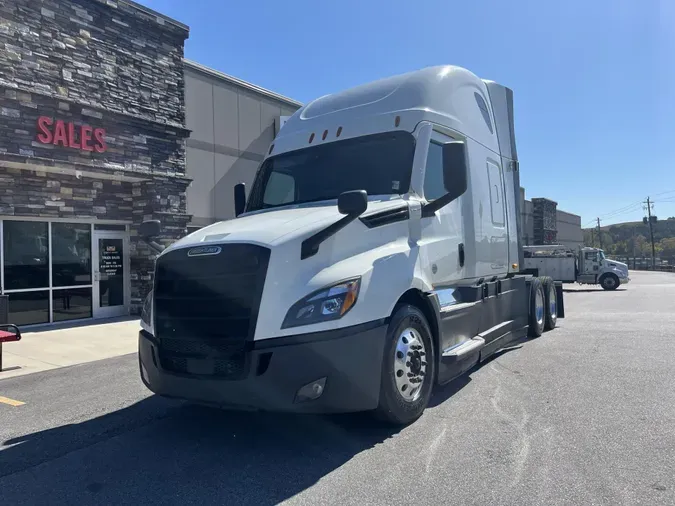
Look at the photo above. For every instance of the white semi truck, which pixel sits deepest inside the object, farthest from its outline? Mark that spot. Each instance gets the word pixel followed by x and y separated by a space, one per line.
pixel 377 254
pixel 586 265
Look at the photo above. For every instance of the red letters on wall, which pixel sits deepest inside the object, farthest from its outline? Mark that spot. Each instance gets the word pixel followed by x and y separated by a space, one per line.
pixel 69 135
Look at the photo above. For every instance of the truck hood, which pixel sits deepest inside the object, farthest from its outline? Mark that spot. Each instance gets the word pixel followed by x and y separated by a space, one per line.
pixel 616 263
pixel 272 227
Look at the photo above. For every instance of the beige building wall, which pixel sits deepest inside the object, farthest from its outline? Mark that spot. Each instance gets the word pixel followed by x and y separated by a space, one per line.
pixel 232 124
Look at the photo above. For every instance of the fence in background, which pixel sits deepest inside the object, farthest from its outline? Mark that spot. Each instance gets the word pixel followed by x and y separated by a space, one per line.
pixel 645 263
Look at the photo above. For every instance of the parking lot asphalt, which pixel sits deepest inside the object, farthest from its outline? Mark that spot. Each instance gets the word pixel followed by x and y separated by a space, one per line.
pixel 584 414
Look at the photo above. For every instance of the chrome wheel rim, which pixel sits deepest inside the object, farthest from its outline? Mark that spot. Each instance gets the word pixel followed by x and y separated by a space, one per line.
pixel 539 306
pixel 552 303
pixel 410 366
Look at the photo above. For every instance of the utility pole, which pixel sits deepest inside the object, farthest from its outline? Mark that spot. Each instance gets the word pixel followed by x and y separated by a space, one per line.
pixel 600 234
pixel 651 232
pixel 633 248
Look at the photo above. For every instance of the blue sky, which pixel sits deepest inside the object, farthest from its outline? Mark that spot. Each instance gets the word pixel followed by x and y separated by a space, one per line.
pixel 594 82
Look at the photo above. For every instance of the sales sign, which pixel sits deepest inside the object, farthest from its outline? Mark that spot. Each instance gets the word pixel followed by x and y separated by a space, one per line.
pixel 69 135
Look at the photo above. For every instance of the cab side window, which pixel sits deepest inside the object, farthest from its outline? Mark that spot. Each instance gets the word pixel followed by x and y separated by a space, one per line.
pixel 433 173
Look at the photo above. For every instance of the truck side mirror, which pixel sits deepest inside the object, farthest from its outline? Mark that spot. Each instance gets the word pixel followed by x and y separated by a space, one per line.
pixel 455 178
pixel 150 229
pixel 239 198
pixel 353 203
pixel 455 168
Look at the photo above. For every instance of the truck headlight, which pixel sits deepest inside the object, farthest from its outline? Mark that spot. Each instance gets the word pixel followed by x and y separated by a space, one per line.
pixel 146 314
pixel 327 304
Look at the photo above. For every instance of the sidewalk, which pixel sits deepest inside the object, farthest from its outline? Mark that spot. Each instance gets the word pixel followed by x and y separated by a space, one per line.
pixel 45 348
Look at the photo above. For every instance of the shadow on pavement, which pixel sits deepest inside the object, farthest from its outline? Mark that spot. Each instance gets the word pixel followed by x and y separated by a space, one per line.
pixel 443 392
pixel 590 290
pixel 159 451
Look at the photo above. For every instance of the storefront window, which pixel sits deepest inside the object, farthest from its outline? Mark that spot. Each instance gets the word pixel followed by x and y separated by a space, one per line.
pixel 27 308
pixel 71 303
pixel 60 271
pixel 71 254
pixel 26 254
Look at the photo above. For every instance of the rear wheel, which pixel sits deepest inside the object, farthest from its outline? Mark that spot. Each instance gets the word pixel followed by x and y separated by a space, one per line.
pixel 609 281
pixel 537 309
pixel 550 303
pixel 408 367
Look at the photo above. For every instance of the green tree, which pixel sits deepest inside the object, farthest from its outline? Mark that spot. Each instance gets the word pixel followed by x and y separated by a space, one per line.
pixel 667 247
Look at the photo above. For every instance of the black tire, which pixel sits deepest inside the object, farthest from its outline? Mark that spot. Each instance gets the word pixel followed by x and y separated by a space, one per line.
pixel 393 407
pixel 550 303
pixel 609 281
pixel 535 320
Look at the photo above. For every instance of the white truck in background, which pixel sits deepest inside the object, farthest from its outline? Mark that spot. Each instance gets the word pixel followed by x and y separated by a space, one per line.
pixel 377 254
pixel 585 265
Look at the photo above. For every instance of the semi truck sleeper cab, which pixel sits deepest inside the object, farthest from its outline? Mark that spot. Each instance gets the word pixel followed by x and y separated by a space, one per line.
pixel 377 253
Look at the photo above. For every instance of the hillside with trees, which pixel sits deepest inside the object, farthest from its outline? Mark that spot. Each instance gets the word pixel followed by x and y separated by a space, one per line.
pixel 632 239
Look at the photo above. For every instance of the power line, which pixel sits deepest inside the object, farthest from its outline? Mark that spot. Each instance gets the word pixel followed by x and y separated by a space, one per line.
pixel 664 193
pixel 634 206
pixel 630 207
pixel 622 209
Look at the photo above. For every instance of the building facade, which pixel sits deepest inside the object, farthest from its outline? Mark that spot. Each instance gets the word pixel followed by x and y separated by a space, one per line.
pixel 92 142
pixel 548 224
pixel 232 124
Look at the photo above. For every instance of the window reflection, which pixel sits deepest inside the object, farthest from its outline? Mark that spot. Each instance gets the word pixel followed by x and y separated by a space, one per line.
pixel 26 253
pixel 71 304
pixel 71 254
pixel 27 308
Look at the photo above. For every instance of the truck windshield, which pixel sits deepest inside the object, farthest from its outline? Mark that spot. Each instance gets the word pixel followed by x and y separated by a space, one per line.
pixel 380 164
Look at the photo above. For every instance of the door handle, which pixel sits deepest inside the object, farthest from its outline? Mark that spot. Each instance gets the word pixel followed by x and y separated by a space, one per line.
pixel 97 276
pixel 460 249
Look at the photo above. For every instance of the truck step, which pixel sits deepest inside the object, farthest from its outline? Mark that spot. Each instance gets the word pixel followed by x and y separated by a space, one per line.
pixel 464 349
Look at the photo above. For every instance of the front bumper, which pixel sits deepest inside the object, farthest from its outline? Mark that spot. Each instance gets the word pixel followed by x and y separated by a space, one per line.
pixel 349 360
pixel 624 280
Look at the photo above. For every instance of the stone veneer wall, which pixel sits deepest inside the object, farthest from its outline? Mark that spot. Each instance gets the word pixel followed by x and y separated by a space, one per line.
pixel 544 216
pixel 107 64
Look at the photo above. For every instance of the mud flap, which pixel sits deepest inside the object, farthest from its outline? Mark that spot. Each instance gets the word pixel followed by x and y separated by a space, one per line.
pixel 560 306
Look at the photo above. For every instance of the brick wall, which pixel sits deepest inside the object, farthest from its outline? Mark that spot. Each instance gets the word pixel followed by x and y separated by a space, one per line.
pixel 103 64
pixel 98 52
pixel 545 221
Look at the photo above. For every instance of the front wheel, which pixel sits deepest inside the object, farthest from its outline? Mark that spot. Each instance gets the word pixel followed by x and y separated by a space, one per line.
pixel 408 367
pixel 609 282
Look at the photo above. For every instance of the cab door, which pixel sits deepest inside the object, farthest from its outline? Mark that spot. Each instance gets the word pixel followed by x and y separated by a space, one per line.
pixel 442 234
pixel 590 267
pixel 591 262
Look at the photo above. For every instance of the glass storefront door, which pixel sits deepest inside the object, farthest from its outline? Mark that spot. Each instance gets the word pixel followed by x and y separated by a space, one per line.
pixel 111 274
pixel 58 271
